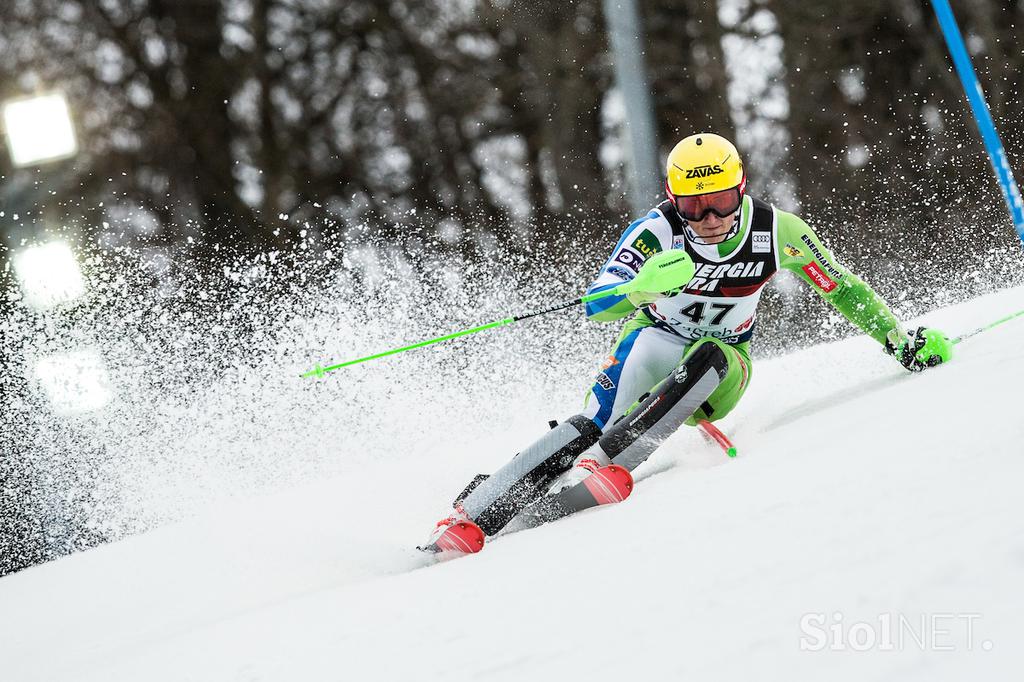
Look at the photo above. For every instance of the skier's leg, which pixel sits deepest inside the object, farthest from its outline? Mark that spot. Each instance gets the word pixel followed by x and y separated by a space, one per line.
pixel 706 382
pixel 731 388
pixel 683 393
pixel 641 356
pixel 506 492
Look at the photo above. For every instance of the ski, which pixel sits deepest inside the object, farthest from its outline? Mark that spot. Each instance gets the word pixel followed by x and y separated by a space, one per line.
pixel 607 485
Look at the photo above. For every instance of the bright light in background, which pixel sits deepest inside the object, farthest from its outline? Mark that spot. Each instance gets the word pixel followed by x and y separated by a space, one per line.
pixel 39 129
pixel 75 382
pixel 49 274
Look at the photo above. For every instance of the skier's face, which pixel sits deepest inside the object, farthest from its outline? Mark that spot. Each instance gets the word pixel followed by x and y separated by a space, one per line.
pixel 712 229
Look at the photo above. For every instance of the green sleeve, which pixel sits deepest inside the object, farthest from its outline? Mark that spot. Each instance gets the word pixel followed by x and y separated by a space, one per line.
pixel 801 252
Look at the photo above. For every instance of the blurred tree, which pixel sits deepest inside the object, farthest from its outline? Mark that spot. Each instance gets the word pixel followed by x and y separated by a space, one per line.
pixel 882 140
pixel 218 117
pixel 687 67
pixel 213 119
pixel 555 80
pixel 149 87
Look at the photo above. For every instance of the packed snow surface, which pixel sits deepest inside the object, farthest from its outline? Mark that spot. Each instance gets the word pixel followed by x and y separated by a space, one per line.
pixel 872 528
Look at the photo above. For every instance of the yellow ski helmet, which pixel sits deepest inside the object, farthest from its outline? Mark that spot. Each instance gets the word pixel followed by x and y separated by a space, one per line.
pixel 707 166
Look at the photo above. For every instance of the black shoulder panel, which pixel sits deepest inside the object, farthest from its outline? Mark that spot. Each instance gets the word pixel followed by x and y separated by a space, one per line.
pixel 672 216
pixel 762 218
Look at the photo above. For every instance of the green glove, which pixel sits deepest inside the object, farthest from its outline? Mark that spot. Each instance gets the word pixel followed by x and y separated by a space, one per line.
pixel 642 299
pixel 663 274
pixel 919 349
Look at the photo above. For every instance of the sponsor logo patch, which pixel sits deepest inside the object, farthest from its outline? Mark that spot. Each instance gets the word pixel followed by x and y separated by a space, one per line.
pixel 681 374
pixel 629 258
pixel 820 257
pixel 762 242
pixel 610 362
pixel 634 419
pixel 708 275
pixel 620 271
pixel 792 251
pixel 820 279
pixel 703 171
pixel 678 241
pixel 646 244
pixel 604 382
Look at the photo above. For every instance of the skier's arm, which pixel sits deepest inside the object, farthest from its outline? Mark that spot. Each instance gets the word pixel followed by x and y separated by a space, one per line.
pixel 800 251
pixel 641 239
pixel 610 308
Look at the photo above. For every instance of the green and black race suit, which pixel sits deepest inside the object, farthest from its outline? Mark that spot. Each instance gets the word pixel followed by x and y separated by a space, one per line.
pixel 718 305
pixel 721 299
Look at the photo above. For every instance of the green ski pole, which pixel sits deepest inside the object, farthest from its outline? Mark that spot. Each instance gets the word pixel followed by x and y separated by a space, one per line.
pixel 987 327
pixel 666 271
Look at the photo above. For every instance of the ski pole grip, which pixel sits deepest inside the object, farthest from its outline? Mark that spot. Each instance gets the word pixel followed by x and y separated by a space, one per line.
pixel 614 291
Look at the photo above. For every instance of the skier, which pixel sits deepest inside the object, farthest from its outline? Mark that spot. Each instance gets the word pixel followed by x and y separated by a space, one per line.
pixel 684 356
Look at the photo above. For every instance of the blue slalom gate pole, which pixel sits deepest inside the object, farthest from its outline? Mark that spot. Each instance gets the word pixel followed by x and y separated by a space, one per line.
pixel 972 88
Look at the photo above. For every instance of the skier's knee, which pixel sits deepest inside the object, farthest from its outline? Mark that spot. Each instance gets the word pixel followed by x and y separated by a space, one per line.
pixel 734 374
pixel 659 413
pixel 708 352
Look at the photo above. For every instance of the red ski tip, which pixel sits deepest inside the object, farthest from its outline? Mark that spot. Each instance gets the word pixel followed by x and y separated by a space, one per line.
pixel 462 536
pixel 609 484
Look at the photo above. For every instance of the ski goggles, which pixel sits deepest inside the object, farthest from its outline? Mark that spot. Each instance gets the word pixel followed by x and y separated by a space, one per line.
pixel 696 207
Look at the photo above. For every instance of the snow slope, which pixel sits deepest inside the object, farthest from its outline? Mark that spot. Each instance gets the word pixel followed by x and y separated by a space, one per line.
pixel 863 496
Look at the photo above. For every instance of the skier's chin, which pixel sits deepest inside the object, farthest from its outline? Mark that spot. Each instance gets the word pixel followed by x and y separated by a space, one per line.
pixel 714 237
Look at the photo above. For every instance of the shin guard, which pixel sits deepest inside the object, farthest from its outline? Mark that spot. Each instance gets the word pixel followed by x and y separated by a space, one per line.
pixel 657 415
pixel 506 492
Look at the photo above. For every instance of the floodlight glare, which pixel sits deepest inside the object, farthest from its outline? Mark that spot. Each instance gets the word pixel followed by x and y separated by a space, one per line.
pixel 39 129
pixel 49 275
pixel 75 382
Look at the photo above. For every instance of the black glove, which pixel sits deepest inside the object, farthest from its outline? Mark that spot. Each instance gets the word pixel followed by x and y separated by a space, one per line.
pixel 919 349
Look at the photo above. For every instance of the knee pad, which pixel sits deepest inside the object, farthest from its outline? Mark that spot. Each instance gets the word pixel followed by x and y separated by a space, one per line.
pixel 506 492
pixel 657 415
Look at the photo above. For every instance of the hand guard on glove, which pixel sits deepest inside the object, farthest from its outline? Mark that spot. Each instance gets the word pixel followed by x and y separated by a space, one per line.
pixel 643 299
pixel 662 275
pixel 919 349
